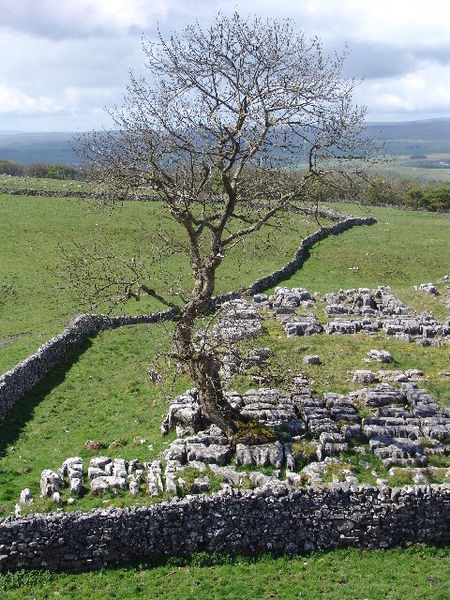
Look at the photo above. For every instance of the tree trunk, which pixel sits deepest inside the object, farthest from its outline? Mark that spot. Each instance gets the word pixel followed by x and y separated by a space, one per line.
pixel 203 367
pixel 204 371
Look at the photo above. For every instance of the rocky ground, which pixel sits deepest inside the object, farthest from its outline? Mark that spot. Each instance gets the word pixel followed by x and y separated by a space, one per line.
pixel 389 431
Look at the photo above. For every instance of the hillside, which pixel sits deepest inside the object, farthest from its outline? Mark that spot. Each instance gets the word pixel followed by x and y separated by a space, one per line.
pixel 102 392
pixel 405 138
pixel 26 148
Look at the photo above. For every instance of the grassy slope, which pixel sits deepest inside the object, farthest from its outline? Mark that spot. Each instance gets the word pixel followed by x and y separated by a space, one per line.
pixel 33 229
pixel 107 381
pixel 88 397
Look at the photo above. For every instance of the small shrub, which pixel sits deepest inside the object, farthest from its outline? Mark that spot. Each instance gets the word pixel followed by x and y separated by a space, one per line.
pixel 94 445
pixel 253 433
pixel 303 452
pixel 401 477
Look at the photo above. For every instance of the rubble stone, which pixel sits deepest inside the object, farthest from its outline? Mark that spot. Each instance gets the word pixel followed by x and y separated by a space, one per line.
pixel 50 483
pixel 312 359
pixel 364 376
pixel 380 355
pixel 108 482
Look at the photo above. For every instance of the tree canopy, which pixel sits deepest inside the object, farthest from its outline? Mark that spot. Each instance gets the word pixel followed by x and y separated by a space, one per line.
pixel 217 133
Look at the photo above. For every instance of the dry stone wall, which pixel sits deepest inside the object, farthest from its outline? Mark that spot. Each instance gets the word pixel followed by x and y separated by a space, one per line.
pixel 69 194
pixel 22 378
pixel 277 520
pixel 300 256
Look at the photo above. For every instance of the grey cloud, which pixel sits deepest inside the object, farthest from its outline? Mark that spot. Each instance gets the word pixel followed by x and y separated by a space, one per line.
pixel 438 54
pixel 47 19
pixel 52 45
pixel 379 61
pixel 76 19
pixel 374 61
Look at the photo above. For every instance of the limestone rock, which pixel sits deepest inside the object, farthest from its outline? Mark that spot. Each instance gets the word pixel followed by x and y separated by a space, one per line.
pixel 228 473
pixel 291 298
pixel 380 395
pixel 260 298
pixel 312 359
pixel 119 468
pixel 302 325
pixel 50 483
pixel 76 486
pixel 380 355
pixel 99 462
pixel 201 485
pixel 364 376
pixel 392 376
pixel 26 497
pixel 262 455
pixel 169 476
pixel 185 412
pixel 72 465
pixel 154 478
pixel 430 288
pixel 212 453
pixel 414 374
pixel 108 482
pixel 133 487
pixel 94 472
pixel 238 319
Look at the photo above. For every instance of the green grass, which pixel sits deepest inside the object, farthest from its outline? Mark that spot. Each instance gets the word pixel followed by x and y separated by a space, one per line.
pixel 102 391
pixel 42 183
pixel 343 353
pixel 403 249
pixel 32 305
pixel 33 308
pixel 414 573
pixel 404 166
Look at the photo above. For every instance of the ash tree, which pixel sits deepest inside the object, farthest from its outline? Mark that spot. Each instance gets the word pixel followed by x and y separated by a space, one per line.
pixel 215 134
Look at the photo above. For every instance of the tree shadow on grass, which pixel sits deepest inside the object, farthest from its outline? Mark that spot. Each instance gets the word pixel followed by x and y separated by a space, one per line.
pixel 23 410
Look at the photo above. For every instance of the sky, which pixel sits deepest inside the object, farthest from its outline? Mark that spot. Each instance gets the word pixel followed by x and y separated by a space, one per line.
pixel 64 61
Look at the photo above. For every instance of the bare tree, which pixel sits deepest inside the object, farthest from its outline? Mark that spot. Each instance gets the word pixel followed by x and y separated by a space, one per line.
pixel 228 112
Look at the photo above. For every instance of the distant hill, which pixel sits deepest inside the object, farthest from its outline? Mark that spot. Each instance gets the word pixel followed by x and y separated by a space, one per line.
pixel 26 148
pixel 412 137
pixel 430 136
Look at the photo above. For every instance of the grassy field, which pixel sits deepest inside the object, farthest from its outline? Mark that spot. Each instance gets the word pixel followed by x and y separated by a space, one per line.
pixel 42 183
pixel 32 305
pixel 33 308
pixel 415 573
pixel 87 397
pixel 404 166
pixel 102 392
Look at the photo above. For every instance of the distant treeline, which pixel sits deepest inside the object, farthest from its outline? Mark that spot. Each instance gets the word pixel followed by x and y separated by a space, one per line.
pixel 380 190
pixel 408 194
pixel 377 191
pixel 38 169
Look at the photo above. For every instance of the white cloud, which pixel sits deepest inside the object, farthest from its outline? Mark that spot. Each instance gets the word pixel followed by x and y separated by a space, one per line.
pixel 70 58
pixel 81 18
pixel 426 90
pixel 14 100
